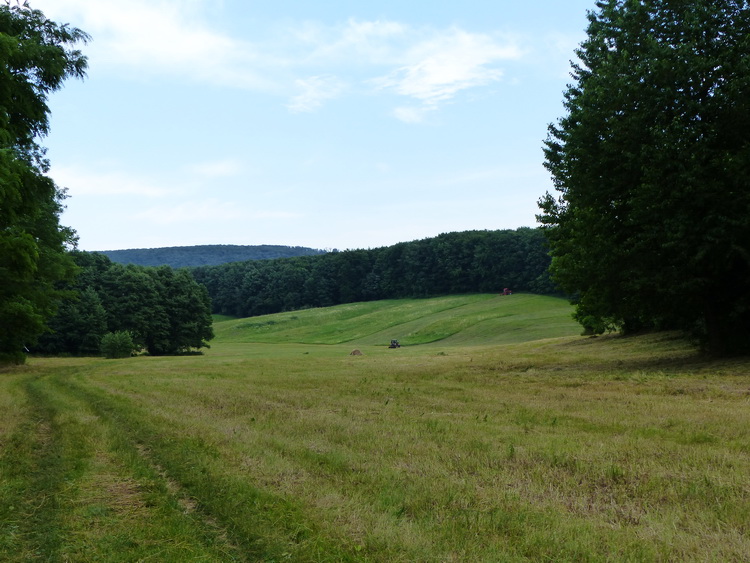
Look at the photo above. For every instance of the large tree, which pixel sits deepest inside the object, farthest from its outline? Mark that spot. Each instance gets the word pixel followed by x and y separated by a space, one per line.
pixel 164 310
pixel 36 56
pixel 651 225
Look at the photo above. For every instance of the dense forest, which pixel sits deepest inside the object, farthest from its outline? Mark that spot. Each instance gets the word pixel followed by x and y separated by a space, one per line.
pixel 205 255
pixel 165 311
pixel 650 223
pixel 464 262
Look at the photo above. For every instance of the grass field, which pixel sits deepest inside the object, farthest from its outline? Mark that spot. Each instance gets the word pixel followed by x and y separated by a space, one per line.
pixel 495 434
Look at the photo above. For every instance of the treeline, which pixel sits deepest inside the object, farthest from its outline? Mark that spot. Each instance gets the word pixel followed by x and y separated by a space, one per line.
pixel 164 310
pixel 464 262
pixel 205 255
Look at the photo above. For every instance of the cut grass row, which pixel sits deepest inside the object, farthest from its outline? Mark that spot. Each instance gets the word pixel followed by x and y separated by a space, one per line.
pixel 459 320
pixel 76 488
pixel 564 449
pixel 567 450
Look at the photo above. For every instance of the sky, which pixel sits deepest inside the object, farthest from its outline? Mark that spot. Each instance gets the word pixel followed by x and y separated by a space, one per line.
pixel 325 124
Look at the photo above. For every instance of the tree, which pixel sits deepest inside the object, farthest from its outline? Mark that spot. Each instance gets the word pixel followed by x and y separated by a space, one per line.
pixel 132 301
pixel 162 310
pixel 36 56
pixel 184 315
pixel 118 345
pixel 77 327
pixel 651 227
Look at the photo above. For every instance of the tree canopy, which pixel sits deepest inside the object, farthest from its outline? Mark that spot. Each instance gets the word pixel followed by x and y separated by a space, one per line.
pixel 651 226
pixel 164 311
pixel 36 56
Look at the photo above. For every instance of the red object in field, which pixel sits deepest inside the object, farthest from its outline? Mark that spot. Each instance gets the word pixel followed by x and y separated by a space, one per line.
pixel 507 291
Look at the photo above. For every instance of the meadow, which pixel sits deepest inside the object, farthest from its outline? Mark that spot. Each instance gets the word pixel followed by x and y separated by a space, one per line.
pixel 495 433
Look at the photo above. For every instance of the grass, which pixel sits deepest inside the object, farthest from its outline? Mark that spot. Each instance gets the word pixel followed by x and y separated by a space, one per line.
pixel 487 444
pixel 464 319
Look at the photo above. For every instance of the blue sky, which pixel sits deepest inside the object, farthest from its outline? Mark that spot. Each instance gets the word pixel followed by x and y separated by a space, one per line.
pixel 326 124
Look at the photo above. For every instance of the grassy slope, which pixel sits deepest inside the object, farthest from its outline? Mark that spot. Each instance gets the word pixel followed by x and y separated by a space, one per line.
pixel 466 449
pixel 455 320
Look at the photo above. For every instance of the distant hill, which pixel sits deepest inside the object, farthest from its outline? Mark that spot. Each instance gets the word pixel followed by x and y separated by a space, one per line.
pixel 205 255
pixel 449 264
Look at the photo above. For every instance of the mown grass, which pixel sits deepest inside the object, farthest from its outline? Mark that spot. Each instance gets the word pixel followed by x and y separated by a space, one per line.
pixel 463 319
pixel 561 449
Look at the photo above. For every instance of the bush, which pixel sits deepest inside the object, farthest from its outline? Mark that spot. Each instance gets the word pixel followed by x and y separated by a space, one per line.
pixel 117 345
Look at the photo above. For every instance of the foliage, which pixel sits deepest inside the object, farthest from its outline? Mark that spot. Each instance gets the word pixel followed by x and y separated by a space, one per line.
pixel 117 344
pixel 77 327
pixel 185 313
pixel 652 161
pixel 452 263
pixel 204 255
pixel 164 310
pixel 36 56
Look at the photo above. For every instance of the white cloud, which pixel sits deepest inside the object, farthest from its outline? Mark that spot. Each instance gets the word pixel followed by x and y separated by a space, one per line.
pixel 362 42
pixel 85 182
pixel 314 91
pixel 428 65
pixel 445 65
pixel 163 36
pixel 301 63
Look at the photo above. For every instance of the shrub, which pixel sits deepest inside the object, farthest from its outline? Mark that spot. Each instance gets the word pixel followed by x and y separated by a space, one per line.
pixel 117 345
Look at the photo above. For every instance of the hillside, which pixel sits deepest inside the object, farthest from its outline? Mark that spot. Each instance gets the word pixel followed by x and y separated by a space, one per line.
pixel 467 320
pixel 457 263
pixel 205 255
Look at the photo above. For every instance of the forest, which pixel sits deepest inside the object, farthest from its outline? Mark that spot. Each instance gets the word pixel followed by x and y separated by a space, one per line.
pixel 205 255
pixel 451 263
pixel 649 224
pixel 163 310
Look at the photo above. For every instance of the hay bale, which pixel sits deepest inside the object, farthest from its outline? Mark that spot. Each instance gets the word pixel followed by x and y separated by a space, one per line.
pixel 356 353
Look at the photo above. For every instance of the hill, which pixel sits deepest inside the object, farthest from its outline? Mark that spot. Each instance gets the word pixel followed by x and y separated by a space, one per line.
pixel 205 255
pixel 467 320
pixel 457 263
